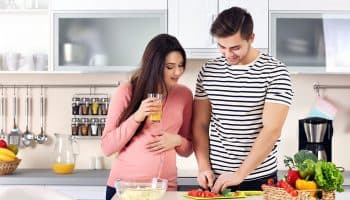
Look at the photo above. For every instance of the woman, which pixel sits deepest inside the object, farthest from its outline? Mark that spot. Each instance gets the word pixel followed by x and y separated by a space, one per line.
pixel 146 149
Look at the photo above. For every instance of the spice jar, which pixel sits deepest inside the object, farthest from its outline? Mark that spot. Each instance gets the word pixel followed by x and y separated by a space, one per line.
pixel 101 126
pixel 95 106
pixel 75 126
pixel 94 126
pixel 84 127
pixel 75 105
pixel 104 106
pixel 85 107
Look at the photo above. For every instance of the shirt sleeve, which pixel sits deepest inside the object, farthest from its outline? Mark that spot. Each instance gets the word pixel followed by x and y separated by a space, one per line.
pixel 200 91
pixel 280 87
pixel 115 137
pixel 185 149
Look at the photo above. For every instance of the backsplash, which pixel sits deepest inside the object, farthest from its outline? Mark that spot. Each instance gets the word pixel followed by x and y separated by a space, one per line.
pixel 59 114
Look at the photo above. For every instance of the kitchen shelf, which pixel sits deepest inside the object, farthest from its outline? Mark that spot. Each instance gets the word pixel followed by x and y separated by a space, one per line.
pixel 24 11
pixel 87 137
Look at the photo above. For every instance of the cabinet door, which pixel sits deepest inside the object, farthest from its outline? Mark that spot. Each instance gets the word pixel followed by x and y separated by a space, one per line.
pixel 309 5
pixel 259 11
pixel 81 192
pixel 108 5
pixel 190 21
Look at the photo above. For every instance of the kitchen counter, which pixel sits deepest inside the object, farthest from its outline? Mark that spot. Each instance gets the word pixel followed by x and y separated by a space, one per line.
pixel 84 177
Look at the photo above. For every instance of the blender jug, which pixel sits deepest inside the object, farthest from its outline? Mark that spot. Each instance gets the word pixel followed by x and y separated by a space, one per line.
pixel 65 152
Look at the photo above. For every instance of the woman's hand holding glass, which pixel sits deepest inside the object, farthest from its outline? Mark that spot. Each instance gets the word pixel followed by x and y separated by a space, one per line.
pixel 147 108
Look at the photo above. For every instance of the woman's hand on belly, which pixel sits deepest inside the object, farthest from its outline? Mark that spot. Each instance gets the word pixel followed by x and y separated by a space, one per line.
pixel 163 142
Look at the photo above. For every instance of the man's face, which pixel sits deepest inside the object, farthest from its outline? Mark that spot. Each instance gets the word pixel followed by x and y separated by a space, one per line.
pixel 235 48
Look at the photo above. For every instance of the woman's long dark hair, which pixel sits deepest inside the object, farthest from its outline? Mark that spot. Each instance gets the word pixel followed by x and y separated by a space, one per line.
pixel 150 75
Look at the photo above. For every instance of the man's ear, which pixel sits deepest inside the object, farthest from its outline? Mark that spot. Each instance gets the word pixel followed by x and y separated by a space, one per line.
pixel 251 38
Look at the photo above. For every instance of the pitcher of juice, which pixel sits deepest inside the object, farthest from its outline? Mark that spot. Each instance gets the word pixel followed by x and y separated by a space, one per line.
pixel 65 152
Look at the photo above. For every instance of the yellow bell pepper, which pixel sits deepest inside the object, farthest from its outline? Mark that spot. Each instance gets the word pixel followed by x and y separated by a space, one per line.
pixel 301 184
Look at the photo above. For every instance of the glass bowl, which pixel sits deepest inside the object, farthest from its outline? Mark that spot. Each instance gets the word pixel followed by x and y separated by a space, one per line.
pixel 153 189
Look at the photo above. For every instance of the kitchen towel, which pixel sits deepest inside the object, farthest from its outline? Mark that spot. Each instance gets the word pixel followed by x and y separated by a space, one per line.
pixel 323 108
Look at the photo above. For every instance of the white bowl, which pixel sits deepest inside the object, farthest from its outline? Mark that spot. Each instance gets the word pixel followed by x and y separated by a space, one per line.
pixel 153 189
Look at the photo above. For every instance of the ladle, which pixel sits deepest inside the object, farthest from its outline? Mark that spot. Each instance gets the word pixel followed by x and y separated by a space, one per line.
pixel 27 136
pixel 42 137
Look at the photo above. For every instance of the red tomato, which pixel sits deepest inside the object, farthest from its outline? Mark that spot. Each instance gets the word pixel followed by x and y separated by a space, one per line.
pixel 270 182
pixel 294 193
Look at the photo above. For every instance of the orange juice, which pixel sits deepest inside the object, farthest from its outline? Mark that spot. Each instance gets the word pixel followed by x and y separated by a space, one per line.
pixel 156 117
pixel 63 168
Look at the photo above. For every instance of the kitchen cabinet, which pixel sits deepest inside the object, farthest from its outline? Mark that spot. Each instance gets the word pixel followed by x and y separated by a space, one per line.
pixel 309 5
pixel 190 22
pixel 109 5
pixel 81 192
pixel 24 37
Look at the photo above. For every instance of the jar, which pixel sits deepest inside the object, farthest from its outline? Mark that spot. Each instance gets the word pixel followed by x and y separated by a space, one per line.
pixel 64 154
pixel 76 105
pixel 104 106
pixel 85 107
pixel 101 126
pixel 84 127
pixel 95 106
pixel 94 126
pixel 75 126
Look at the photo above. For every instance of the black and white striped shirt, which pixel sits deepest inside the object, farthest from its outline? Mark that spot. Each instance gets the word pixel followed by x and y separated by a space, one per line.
pixel 237 95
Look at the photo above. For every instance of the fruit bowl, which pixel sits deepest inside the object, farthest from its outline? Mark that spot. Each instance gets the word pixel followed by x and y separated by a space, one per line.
pixel 8 167
pixel 153 189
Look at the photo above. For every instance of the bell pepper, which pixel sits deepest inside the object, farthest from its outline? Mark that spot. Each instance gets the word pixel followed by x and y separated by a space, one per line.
pixel 293 176
pixel 307 169
pixel 301 184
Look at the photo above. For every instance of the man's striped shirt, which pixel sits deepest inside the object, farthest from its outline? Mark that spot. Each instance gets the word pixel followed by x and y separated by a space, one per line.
pixel 237 95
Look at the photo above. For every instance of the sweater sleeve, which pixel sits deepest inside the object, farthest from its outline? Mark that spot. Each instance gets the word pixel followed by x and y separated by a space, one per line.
pixel 185 149
pixel 115 137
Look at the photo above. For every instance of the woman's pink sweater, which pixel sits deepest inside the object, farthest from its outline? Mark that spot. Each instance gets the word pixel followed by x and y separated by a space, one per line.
pixel 135 162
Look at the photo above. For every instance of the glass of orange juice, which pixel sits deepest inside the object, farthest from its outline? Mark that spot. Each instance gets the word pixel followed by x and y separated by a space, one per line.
pixel 157 98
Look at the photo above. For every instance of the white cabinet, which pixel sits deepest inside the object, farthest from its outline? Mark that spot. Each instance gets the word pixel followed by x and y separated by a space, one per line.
pixel 259 11
pixel 309 5
pixel 81 192
pixel 108 5
pixel 190 21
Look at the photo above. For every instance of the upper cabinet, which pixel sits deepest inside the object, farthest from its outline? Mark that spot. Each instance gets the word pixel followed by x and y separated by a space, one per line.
pixel 309 5
pixel 190 22
pixel 109 5
pixel 259 11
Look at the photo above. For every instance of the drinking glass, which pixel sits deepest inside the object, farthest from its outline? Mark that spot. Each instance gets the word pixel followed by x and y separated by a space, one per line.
pixel 158 99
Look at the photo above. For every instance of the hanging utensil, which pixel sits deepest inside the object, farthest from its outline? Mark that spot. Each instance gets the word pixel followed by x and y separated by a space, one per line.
pixel 2 107
pixel 14 137
pixel 42 137
pixel 27 137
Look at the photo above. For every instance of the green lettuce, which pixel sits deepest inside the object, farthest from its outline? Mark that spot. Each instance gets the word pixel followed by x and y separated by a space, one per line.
pixel 328 176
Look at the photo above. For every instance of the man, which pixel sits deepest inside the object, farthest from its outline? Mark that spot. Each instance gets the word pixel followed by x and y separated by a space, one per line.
pixel 244 97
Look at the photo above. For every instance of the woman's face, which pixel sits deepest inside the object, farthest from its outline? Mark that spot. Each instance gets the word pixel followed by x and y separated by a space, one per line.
pixel 173 69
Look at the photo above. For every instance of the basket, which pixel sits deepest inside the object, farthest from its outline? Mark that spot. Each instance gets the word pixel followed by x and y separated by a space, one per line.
pixel 276 193
pixel 9 167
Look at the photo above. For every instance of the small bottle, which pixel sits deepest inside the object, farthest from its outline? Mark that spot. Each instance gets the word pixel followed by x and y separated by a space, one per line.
pixel 85 107
pixel 101 126
pixel 76 105
pixel 95 106
pixel 75 126
pixel 84 127
pixel 104 106
pixel 94 126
